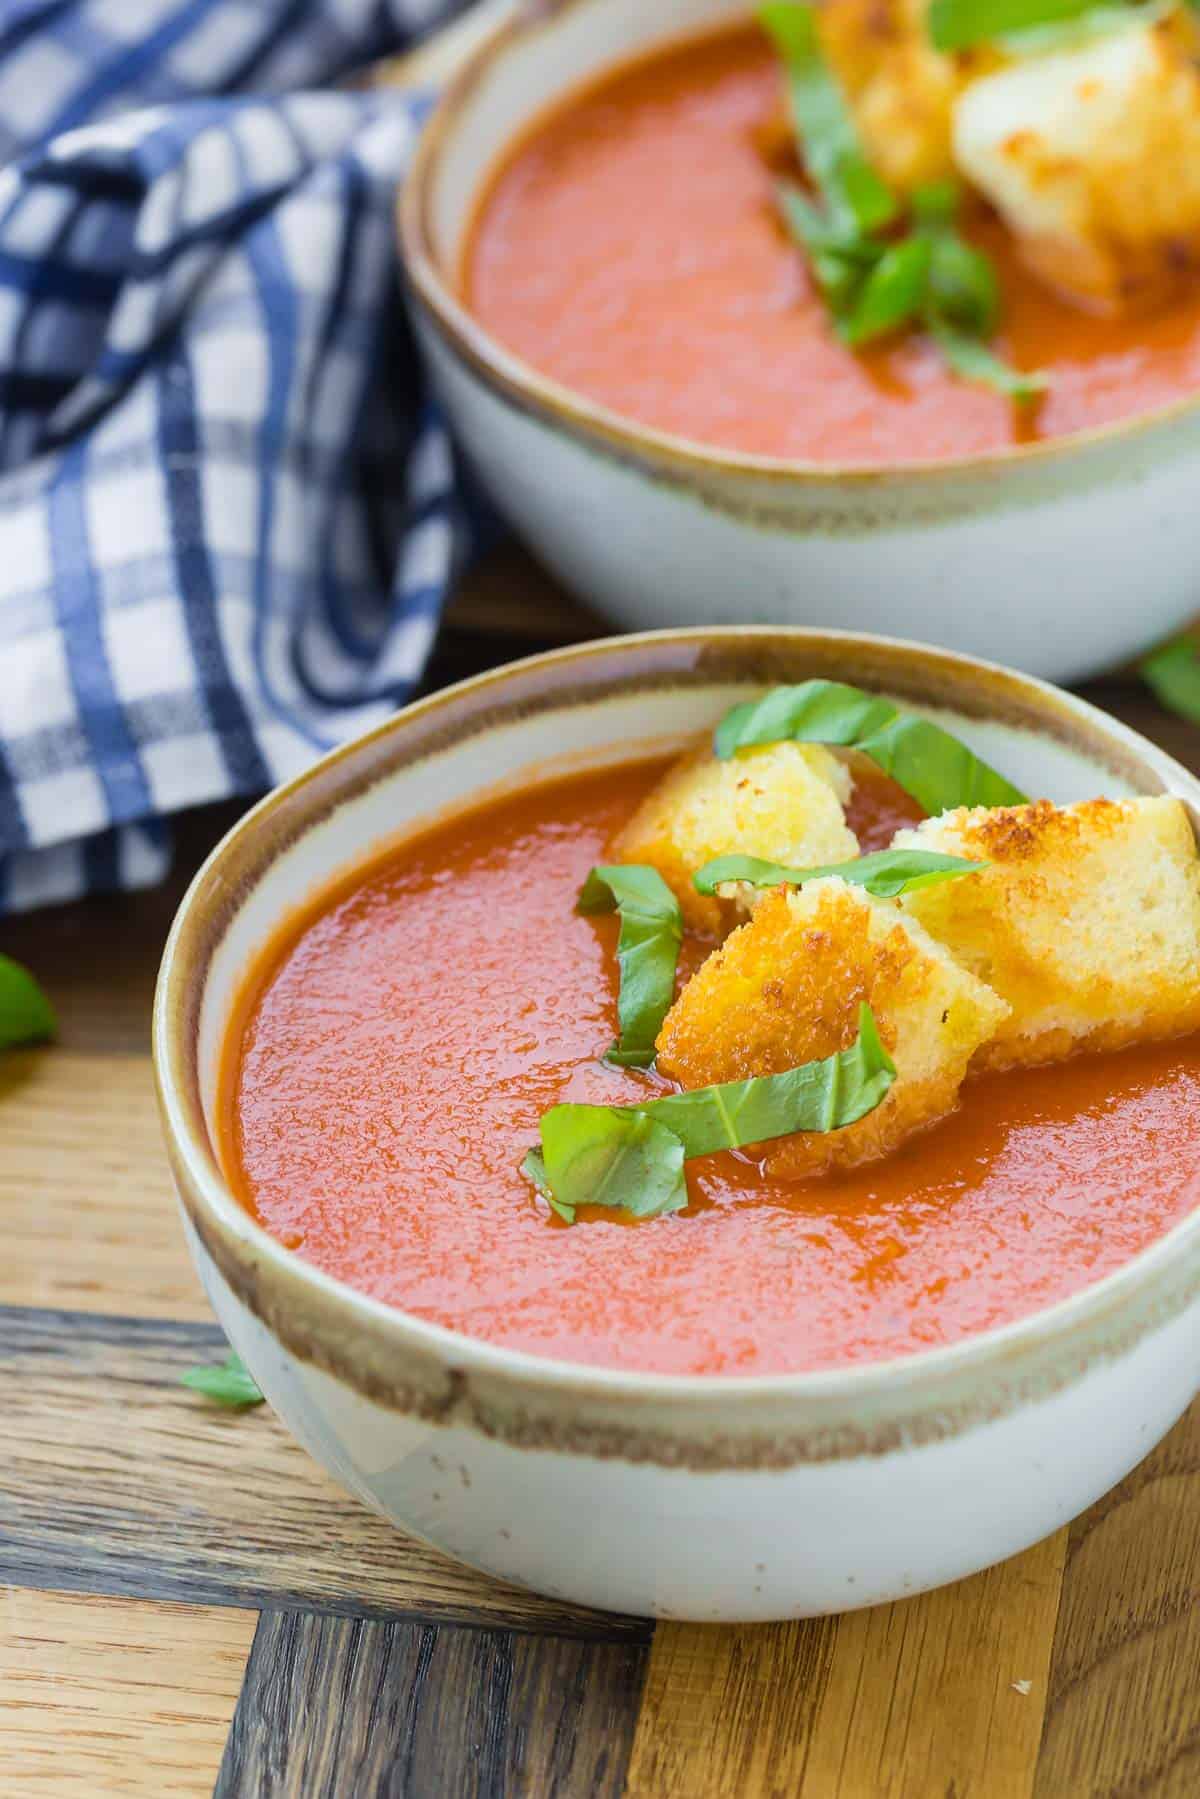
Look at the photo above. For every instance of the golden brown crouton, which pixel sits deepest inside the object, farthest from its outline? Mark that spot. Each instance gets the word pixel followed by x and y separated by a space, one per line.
pixel 782 802
pixel 1087 921
pixel 786 989
pixel 1092 157
pixel 901 91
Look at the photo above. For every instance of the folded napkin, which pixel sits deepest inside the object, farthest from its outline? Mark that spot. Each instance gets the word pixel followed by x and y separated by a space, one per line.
pixel 228 512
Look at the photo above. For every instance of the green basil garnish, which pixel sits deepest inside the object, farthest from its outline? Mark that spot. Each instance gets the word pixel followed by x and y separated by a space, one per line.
pixel 631 1157
pixel 934 767
pixel 885 873
pixel 891 295
pixel 647 952
pixel 228 1383
pixel 852 191
pixel 961 24
pixel 26 1015
pixel 1173 675
pixel 876 284
pixel 969 357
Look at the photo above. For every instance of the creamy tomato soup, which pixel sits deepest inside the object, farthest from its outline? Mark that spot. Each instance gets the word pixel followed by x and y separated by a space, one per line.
pixel 629 246
pixel 394 1052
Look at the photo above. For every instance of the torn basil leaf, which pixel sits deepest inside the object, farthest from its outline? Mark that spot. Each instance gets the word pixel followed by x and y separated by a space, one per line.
pixel 852 191
pixel 647 952
pixel 934 767
pixel 961 24
pixel 970 357
pixel 631 1157
pixel 26 1015
pixel 885 873
pixel 228 1383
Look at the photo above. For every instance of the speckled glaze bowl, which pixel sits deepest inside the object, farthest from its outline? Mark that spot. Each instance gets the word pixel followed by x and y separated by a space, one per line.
pixel 1061 558
pixel 731 1498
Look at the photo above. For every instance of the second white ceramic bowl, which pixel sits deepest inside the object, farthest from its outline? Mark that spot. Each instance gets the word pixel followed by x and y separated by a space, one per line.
pixel 1061 558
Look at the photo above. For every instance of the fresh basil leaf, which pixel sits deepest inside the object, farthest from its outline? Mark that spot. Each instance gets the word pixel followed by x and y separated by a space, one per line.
pixel 608 1156
pixel 828 141
pixel 961 24
pixel 885 873
pixel 26 1015
pixel 973 360
pixel 647 952
pixel 228 1383
pixel 936 203
pixel 632 1156
pixel 963 289
pixel 892 294
pixel 934 767
pixel 1173 675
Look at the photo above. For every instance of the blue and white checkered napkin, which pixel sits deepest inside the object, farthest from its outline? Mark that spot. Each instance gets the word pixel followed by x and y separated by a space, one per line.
pixel 227 514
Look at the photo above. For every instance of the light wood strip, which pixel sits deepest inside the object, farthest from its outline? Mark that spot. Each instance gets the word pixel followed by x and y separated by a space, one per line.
pixel 104 1696
pixel 337 1706
pixel 730 1710
pixel 118 1480
pixel 90 1222
pixel 1124 1707
pixel 898 1702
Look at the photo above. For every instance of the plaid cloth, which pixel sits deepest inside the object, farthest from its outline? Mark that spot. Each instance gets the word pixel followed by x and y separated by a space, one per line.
pixel 228 515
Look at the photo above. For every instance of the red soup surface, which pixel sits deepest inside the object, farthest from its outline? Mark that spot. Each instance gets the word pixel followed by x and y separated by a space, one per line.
pixel 628 246
pixel 395 1051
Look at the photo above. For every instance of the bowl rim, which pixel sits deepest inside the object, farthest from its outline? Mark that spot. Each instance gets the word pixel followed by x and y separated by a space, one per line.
pixel 227 1231
pixel 517 382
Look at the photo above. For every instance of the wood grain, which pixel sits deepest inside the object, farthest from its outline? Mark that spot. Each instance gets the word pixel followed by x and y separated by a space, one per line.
pixel 115 1696
pixel 117 1480
pixel 899 1702
pixel 336 1706
pixel 1124 1706
pixel 730 1710
pixel 90 1222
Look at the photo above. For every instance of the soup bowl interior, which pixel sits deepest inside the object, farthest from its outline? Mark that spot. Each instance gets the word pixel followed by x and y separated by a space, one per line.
pixel 726 1497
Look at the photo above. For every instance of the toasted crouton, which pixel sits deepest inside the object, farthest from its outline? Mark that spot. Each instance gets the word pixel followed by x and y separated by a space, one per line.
pixel 786 989
pixel 1092 157
pixel 901 91
pixel 782 802
pixel 1087 921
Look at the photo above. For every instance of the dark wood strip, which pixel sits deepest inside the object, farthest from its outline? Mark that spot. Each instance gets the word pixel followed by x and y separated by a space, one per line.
pixel 118 1480
pixel 334 1706
pixel 1123 1711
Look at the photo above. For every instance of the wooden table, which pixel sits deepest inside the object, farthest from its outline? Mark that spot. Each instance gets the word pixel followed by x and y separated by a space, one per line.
pixel 188 1600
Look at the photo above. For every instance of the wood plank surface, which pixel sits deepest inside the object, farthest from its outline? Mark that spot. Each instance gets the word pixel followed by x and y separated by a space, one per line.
pixel 420 1709
pixel 90 1221
pixel 103 1695
pixel 924 1696
pixel 1124 1704
pixel 117 1480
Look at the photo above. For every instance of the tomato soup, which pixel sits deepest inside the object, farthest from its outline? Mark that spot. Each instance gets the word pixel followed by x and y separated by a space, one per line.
pixel 394 1052
pixel 629 247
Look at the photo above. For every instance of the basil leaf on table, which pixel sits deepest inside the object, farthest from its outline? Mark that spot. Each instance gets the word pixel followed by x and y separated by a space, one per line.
pixel 1173 675
pixel 647 952
pixel 26 1015
pixel 828 142
pixel 934 767
pixel 631 1157
pixel 228 1383
pixel 884 873
pixel 962 24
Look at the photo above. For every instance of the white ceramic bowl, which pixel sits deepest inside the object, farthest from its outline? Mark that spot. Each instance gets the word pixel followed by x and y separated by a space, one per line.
pixel 1061 558
pixel 681 1497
